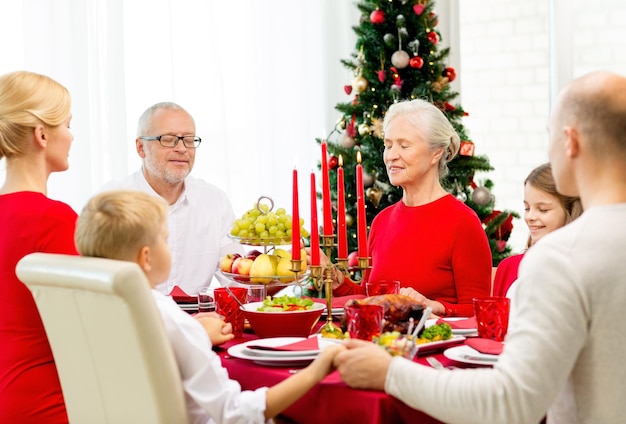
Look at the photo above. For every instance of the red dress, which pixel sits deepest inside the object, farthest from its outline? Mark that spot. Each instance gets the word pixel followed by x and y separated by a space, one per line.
pixel 440 249
pixel 30 391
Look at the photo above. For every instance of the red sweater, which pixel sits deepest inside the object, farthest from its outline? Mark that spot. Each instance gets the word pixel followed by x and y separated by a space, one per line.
pixel 506 274
pixel 439 249
pixel 30 391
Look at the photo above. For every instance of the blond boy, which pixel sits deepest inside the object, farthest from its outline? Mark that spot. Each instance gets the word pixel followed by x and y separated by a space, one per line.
pixel 132 226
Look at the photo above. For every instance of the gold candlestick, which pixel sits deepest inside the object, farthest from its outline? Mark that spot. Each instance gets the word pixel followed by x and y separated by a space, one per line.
pixel 322 276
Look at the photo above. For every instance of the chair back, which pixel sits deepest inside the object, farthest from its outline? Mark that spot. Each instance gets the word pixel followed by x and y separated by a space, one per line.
pixel 114 360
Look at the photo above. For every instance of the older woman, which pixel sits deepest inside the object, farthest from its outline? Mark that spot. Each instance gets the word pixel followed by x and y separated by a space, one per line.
pixel 35 140
pixel 429 241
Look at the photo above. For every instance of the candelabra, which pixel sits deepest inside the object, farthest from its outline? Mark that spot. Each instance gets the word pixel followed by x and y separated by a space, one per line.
pixel 322 276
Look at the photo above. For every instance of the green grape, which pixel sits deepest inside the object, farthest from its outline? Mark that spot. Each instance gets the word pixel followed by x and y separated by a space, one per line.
pixel 264 207
pixel 254 212
pixel 243 233
pixel 288 225
pixel 259 227
pixel 288 233
pixel 262 219
pixel 304 232
pixel 281 227
pixel 280 234
pixel 280 211
pixel 264 234
pixel 272 230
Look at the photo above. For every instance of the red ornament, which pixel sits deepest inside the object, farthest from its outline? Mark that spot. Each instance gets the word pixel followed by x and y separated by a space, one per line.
pixel 333 162
pixel 347 89
pixel 467 148
pixel 351 127
pixel 449 73
pixel 503 232
pixel 433 18
pixel 433 37
pixel 418 9
pixel 381 75
pixel 449 107
pixel 394 74
pixel 416 62
pixel 377 16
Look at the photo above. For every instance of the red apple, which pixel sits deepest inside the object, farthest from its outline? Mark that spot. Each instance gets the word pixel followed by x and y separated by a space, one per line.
pixel 353 261
pixel 242 266
pixel 252 254
pixel 226 263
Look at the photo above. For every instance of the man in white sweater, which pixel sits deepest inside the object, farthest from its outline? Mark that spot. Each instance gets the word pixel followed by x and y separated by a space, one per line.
pixel 565 354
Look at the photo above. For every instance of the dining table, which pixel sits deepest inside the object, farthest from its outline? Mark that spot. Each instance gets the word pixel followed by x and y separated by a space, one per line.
pixel 331 400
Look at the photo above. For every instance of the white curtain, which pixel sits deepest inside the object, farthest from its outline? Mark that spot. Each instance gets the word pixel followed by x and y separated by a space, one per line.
pixel 261 79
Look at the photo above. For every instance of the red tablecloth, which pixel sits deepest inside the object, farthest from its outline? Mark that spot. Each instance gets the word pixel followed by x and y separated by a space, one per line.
pixel 331 401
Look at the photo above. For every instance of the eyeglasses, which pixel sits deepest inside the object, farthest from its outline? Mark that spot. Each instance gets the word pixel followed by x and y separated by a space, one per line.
pixel 189 141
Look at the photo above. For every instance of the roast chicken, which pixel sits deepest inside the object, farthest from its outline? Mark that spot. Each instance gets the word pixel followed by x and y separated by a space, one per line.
pixel 398 309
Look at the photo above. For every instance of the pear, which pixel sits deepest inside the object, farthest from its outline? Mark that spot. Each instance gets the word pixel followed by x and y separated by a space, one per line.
pixel 263 268
pixel 282 253
pixel 283 269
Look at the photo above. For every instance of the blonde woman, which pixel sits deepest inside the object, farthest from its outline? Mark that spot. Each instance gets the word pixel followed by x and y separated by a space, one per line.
pixel 35 139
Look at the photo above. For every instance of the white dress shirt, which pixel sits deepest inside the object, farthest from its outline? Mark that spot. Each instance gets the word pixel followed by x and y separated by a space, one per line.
pixel 198 224
pixel 211 396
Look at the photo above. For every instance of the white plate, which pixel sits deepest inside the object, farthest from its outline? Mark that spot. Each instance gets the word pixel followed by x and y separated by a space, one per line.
pixel 260 357
pixel 425 347
pixel 459 331
pixel 277 341
pixel 469 355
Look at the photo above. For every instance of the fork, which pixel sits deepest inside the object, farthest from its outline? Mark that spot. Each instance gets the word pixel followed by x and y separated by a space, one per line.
pixel 434 362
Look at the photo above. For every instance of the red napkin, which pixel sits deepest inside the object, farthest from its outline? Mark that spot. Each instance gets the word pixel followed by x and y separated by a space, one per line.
pixel 461 324
pixel 488 346
pixel 180 296
pixel 339 302
pixel 306 344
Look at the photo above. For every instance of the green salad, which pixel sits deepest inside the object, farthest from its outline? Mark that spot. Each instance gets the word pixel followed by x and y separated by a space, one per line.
pixel 285 303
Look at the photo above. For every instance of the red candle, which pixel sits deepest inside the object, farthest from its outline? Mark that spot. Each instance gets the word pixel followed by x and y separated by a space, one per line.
pixel 328 217
pixel 360 208
pixel 315 236
pixel 342 235
pixel 295 220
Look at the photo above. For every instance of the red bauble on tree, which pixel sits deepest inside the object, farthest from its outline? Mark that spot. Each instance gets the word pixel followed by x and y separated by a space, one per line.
pixel 347 89
pixel 467 148
pixel 449 73
pixel 416 62
pixel 377 16
pixel 333 162
pixel 418 9
pixel 433 37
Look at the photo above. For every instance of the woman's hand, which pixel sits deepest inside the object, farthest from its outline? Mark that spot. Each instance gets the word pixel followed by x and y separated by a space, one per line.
pixel 437 307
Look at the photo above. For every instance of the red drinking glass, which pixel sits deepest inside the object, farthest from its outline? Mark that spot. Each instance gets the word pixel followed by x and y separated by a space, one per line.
pixel 227 305
pixel 364 321
pixel 492 316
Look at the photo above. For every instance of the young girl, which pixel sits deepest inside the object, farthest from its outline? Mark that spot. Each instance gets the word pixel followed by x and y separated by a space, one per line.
pixel 545 210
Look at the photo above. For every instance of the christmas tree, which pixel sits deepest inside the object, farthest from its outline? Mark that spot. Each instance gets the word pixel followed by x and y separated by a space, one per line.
pixel 397 58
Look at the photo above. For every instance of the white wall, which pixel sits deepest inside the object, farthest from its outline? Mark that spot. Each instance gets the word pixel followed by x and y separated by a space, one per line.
pixel 506 77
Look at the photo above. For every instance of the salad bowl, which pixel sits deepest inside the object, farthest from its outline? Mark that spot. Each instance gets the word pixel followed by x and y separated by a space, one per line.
pixel 282 323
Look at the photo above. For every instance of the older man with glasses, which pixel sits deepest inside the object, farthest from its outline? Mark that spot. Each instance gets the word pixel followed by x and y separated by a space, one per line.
pixel 200 214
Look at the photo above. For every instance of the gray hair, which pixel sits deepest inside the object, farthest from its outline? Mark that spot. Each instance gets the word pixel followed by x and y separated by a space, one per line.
pixel 145 120
pixel 431 124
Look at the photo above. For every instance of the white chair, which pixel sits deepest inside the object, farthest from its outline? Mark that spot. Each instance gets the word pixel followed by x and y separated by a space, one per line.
pixel 114 360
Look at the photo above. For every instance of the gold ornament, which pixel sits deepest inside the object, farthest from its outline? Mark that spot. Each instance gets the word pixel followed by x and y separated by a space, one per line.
pixel 360 84
pixel 440 84
pixel 377 127
pixel 349 220
pixel 374 194
pixel 364 129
